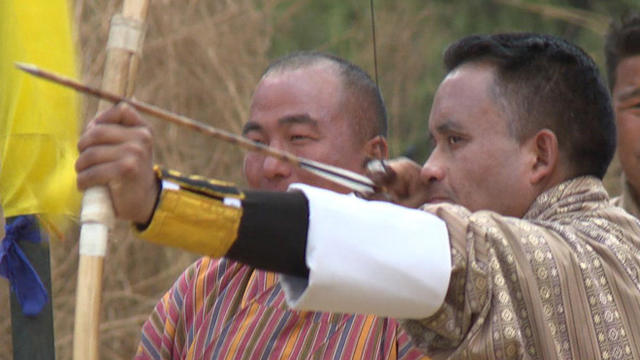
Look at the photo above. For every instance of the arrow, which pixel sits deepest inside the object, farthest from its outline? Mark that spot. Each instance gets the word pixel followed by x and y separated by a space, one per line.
pixel 343 177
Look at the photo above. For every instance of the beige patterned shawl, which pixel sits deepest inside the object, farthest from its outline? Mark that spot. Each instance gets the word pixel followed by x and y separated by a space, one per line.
pixel 561 283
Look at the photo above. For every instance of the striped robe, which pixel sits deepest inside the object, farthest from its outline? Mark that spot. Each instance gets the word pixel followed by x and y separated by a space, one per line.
pixel 561 283
pixel 220 309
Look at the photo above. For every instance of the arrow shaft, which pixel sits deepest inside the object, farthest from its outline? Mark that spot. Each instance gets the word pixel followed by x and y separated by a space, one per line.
pixel 343 177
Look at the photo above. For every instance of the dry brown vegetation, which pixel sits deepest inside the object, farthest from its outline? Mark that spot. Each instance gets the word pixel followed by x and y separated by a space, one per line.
pixel 202 59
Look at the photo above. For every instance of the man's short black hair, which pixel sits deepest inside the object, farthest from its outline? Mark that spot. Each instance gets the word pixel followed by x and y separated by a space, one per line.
pixel 622 40
pixel 362 96
pixel 546 82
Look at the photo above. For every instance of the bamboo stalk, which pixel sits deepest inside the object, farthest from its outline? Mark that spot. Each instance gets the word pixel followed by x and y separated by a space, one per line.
pixel 97 214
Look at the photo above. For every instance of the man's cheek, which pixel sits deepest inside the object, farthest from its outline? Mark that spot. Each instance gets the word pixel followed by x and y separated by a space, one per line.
pixel 251 172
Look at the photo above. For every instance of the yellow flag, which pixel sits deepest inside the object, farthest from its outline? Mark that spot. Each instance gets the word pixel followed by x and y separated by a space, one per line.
pixel 38 120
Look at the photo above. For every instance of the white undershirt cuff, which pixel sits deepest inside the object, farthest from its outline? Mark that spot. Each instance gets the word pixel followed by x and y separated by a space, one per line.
pixel 370 257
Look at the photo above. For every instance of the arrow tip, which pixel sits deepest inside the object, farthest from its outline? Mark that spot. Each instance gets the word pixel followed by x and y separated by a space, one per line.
pixel 30 68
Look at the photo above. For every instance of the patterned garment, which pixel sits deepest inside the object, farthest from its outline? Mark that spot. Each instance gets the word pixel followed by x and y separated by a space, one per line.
pixel 627 200
pixel 220 309
pixel 561 283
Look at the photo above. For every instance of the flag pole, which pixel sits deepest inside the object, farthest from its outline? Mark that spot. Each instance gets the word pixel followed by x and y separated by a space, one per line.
pixel 97 217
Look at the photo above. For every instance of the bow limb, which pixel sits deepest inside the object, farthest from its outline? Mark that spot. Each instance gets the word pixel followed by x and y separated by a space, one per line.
pixel 123 54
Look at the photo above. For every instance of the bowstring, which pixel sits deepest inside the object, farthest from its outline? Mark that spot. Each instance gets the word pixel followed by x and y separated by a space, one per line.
pixel 373 33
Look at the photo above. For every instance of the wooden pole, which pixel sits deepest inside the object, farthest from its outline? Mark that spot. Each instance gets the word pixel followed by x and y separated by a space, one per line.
pixel 123 54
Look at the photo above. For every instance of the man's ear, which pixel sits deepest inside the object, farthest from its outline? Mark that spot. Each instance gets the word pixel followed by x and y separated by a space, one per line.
pixel 544 147
pixel 377 148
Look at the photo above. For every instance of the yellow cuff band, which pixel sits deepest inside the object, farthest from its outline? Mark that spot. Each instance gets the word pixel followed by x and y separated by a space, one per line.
pixel 194 221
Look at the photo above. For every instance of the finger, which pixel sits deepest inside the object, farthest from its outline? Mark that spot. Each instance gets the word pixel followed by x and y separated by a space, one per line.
pixel 122 168
pixel 108 116
pixel 130 116
pixel 94 156
pixel 377 196
pixel 124 154
pixel 402 164
pixel 105 134
pixel 414 202
pixel 379 172
pixel 97 175
pixel 403 179
pixel 405 170
pixel 122 114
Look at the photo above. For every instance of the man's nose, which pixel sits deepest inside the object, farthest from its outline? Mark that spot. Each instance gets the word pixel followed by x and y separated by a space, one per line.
pixel 432 170
pixel 274 168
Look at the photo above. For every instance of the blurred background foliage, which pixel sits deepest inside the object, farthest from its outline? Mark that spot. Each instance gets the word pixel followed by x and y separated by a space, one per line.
pixel 202 58
pixel 411 36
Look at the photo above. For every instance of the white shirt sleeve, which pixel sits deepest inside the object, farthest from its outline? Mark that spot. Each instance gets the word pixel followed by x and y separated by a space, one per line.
pixel 370 257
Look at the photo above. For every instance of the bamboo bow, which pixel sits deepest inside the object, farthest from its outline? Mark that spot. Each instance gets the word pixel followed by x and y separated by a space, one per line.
pixel 97 216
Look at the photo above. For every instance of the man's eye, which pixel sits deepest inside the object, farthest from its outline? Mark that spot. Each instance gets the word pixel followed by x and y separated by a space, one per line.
pixel 257 139
pixel 299 137
pixel 453 139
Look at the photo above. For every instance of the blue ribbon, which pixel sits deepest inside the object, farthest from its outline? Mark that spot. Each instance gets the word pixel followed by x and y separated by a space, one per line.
pixel 15 266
